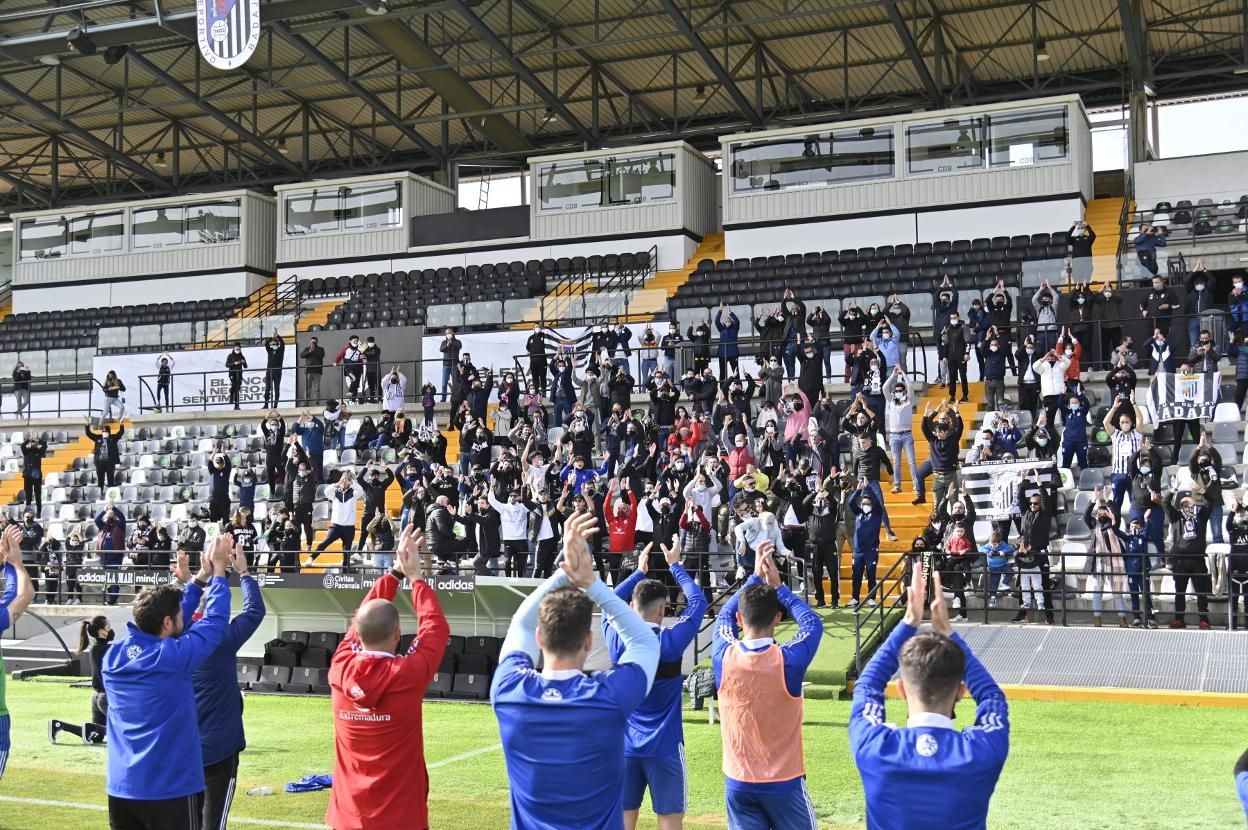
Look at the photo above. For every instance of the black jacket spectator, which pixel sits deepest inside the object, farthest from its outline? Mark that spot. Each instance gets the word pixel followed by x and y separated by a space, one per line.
pixel 440 532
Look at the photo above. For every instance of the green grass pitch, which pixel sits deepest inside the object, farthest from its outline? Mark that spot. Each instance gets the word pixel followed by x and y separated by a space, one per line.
pixel 1072 765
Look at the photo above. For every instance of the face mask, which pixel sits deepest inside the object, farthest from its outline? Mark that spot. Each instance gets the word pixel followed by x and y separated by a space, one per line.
pixel 867 508
pixel 1200 286
pixel 886 336
pixel 1042 440
pixel 1239 286
pixel 1030 350
pixel 993 349
pixel 680 465
pixel 192 523
pixel 1145 469
pixel 1074 408
pixel 955 322
pixel 739 443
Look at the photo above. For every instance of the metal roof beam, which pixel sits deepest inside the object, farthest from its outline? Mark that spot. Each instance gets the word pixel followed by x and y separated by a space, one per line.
pixel 20 185
pixel 415 53
pixel 189 97
pixel 372 101
pixel 102 147
pixel 530 80
pixel 1135 33
pixel 934 93
pixel 712 63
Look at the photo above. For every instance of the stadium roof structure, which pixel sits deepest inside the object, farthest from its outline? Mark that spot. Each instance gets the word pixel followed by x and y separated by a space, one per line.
pixel 102 99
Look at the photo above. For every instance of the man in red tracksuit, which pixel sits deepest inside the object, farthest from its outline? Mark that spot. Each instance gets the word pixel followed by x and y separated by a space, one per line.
pixel 380 781
pixel 621 526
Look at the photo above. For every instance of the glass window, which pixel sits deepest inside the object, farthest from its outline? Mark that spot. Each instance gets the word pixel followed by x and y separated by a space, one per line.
pixel 1018 139
pixel 636 179
pixel 570 185
pixel 375 205
pixel 947 146
pixel 96 233
pixel 44 238
pixel 813 160
pixel 312 211
pixel 158 227
pixel 213 223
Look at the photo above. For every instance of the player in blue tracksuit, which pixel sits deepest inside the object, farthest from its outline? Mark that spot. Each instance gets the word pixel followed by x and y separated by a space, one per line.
pixel 868 517
pixel 217 700
pixel 928 774
pixel 654 743
pixel 155 773
pixel 562 730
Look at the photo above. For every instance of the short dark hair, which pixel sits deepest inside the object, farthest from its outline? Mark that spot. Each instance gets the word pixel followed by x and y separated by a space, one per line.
pixel 932 666
pixel 565 617
pixel 759 605
pixel 153 604
pixel 648 592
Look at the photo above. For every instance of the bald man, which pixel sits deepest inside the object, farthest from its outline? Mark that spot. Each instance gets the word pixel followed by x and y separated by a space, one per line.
pixel 380 782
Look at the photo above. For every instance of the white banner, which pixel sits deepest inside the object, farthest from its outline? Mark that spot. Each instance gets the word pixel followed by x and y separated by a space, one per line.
pixel 189 388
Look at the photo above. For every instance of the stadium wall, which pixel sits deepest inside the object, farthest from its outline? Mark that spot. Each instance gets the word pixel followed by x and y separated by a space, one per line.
pixel 207 285
pixel 1216 176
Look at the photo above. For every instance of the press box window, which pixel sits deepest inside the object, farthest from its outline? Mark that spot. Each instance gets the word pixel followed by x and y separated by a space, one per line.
pixel 44 238
pixel 946 147
pixel 570 185
pixel 631 181
pixel 1018 139
pixel 814 159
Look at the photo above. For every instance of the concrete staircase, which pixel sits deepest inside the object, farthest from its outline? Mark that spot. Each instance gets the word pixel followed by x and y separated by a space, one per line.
pixel 908 519
pixel 318 315
pixel 651 299
pixel 1103 215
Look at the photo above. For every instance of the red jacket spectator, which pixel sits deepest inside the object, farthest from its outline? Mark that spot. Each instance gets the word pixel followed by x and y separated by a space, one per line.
pixel 621 528
pixel 380 782
pixel 739 459
pixel 1076 352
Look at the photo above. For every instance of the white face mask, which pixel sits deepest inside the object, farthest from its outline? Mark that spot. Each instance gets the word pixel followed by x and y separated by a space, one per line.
pixel 866 508
pixel 1200 286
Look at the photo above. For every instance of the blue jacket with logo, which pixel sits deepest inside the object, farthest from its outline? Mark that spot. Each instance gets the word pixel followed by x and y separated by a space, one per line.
pixel 217 700
pixel 153 733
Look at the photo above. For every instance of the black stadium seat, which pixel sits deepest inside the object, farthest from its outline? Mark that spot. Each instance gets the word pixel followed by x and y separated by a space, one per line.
pixel 441 685
pixel 247 673
pixel 272 678
pixel 470 687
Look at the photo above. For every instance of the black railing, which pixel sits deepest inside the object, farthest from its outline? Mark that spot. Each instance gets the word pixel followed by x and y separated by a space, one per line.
pixel 584 295
pixel 1054 595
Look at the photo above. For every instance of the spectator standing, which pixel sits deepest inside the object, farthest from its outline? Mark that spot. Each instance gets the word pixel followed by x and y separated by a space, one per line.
pixel 380 779
pixel 1080 237
pixel 112 388
pixel 372 370
pixel 164 381
pixel 275 361
pixel 994 371
pixel 75 547
pixel 868 516
pixel 393 390
pixel 953 338
pixel 21 388
pixel 729 327
pixel 351 359
pixel 821 536
pixel 105 453
pixel 899 315
pixel 155 760
pixel 1188 522
pixel 34 449
pixel 943 430
pixel 853 328
pixel 273 428
pixel 311 432
pixel 235 363
pixel 1160 304
pixel 1125 441
pixel 1146 242
pixel 1106 564
pixel 313 356
pixel 343 505
pixel 535 347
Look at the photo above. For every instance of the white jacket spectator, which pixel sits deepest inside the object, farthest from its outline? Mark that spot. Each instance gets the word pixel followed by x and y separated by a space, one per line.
pixel 343 503
pixel 393 390
pixel 1052 376
pixel 514 519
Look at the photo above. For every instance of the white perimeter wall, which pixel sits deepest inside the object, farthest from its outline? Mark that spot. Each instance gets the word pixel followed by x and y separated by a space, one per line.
pixel 1217 176
pixel 903 228
pixel 135 292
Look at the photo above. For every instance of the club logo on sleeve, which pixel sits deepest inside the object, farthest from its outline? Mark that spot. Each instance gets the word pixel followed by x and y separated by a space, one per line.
pixel 552 694
pixel 356 693
pixel 134 651
pixel 926 746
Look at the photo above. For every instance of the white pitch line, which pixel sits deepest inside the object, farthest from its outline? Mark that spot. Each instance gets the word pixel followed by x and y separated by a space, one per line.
pixel 100 808
pixel 464 757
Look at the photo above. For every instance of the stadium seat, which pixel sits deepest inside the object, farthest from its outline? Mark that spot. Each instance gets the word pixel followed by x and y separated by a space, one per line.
pixel 280 656
pixel 247 673
pixel 272 678
pixel 324 639
pixel 470 687
pixel 308 680
pixel 314 657
pixel 1227 413
pixel 441 685
pixel 473 664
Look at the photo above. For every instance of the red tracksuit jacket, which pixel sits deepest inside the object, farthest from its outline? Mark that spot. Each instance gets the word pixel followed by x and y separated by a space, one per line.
pixel 380 782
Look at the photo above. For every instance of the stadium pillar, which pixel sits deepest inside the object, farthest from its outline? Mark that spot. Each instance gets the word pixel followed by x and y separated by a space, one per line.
pixel 1140 147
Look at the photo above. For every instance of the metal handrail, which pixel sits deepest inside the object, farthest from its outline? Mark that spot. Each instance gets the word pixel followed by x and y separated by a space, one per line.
pixel 888 594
